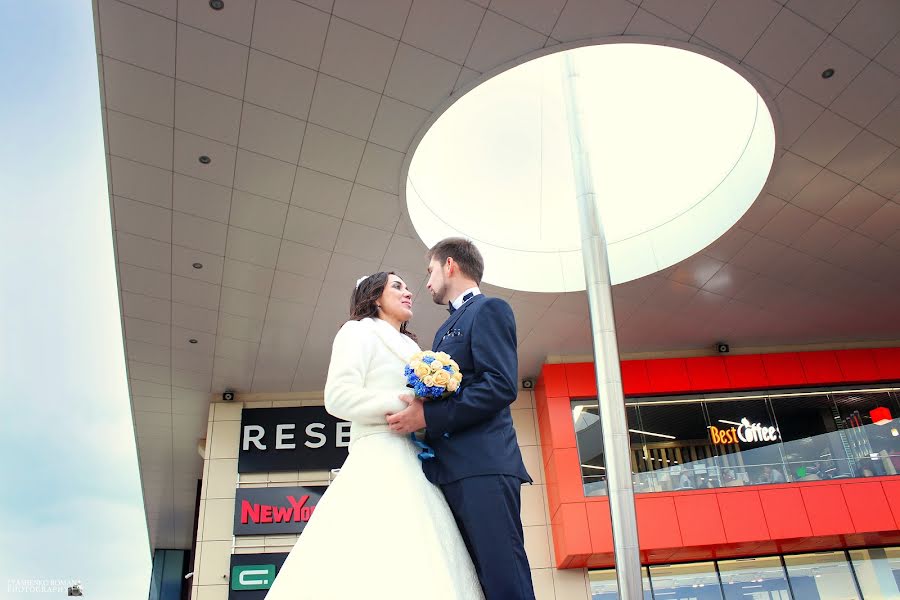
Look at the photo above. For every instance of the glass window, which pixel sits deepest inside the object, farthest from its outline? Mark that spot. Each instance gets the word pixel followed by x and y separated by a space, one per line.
pixel 878 572
pixel 589 438
pixel 747 440
pixel 821 576
pixel 696 442
pixel 604 586
pixel 694 581
pixel 813 445
pixel 754 579
pixel 869 424
pixel 671 449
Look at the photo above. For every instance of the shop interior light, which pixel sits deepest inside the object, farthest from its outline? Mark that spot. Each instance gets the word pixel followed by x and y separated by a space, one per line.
pixel 662 435
pixel 880 415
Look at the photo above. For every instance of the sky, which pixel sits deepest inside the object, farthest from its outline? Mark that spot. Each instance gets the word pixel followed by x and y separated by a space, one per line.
pixel 70 495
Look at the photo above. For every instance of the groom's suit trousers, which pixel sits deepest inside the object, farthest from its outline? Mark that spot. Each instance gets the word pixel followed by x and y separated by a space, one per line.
pixel 486 509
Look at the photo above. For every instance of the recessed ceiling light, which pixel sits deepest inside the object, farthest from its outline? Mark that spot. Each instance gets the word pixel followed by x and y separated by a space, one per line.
pixel 192 340
pixel 198 266
pixel 217 4
pixel 204 159
pixel 827 73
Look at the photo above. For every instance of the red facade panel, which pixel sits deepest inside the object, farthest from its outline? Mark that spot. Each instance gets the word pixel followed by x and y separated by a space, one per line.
pixel 783 370
pixel 707 374
pixel 551 480
pixel 600 527
pixel 743 517
pixel 561 425
pixel 785 513
pixel 700 525
pixel 827 511
pixel 820 367
pixel 635 380
pixel 554 381
pixel 667 374
pixel 658 522
pixel 543 425
pixel 857 365
pixel 699 520
pixel 568 472
pixel 571 533
pixel 892 493
pixel 868 506
pixel 582 381
pixel 745 372
pixel 887 360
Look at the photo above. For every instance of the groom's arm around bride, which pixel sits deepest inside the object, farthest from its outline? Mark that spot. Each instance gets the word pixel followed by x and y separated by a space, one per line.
pixel 477 462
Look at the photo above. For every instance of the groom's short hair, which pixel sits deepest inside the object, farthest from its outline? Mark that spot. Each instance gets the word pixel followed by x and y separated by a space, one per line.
pixel 463 252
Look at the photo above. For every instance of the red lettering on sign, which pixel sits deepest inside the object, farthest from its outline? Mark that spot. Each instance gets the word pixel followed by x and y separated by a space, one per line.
pixel 266 513
pixel 297 506
pixel 282 514
pixel 249 511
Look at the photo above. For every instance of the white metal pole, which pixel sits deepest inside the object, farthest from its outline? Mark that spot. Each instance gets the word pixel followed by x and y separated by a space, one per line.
pixel 616 440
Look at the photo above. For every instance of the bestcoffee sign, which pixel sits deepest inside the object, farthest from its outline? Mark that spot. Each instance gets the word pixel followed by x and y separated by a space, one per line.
pixel 292 439
pixel 277 510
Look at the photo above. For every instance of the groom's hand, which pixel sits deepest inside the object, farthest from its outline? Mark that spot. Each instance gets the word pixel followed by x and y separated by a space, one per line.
pixel 411 418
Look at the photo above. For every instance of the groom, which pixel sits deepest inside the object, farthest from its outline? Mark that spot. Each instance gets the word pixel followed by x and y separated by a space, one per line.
pixel 477 463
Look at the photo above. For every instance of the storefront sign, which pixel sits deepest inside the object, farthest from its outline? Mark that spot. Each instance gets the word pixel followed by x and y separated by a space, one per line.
pixel 291 439
pixel 252 574
pixel 275 510
pixel 746 432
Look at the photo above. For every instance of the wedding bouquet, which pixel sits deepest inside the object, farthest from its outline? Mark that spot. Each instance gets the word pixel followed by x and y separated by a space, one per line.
pixel 432 375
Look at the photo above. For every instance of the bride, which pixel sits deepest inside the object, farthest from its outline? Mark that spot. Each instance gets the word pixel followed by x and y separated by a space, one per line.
pixel 381 530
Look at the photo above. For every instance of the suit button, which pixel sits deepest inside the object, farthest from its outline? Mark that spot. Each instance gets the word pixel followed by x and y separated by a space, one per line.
pixel 447 435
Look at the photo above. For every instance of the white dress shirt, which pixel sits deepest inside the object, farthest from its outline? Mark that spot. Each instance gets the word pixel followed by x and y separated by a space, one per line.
pixel 459 299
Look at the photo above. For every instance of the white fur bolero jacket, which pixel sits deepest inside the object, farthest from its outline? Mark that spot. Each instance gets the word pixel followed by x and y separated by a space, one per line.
pixel 365 376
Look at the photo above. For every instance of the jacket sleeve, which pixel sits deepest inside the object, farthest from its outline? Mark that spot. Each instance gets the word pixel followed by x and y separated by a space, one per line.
pixel 346 394
pixel 492 386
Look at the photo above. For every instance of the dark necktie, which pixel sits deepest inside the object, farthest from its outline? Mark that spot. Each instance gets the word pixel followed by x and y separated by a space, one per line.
pixel 451 309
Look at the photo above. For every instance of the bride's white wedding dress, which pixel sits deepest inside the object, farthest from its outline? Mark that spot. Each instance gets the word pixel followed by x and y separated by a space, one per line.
pixel 381 530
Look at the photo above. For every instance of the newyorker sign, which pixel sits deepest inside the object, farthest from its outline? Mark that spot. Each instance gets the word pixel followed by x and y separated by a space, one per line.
pixel 292 439
pixel 276 510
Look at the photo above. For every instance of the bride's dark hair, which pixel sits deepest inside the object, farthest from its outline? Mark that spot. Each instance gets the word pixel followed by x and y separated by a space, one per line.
pixel 363 302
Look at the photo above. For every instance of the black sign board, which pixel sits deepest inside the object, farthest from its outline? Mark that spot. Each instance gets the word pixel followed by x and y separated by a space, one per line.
pixel 303 438
pixel 251 575
pixel 274 510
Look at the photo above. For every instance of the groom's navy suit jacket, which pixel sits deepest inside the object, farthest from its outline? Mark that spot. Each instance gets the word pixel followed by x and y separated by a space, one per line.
pixel 472 431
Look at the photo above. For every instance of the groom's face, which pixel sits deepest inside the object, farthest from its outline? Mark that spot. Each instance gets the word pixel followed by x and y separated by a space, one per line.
pixel 437 281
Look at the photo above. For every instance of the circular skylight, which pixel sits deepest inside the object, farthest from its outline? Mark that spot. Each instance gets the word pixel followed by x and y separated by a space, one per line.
pixel 681 145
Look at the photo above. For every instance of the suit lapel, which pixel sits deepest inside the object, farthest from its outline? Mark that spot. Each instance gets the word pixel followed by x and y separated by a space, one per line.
pixel 451 321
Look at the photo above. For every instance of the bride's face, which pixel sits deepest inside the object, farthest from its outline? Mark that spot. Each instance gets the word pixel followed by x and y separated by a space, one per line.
pixel 396 300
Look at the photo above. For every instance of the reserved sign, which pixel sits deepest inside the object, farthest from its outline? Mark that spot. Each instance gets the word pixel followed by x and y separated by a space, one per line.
pixel 299 438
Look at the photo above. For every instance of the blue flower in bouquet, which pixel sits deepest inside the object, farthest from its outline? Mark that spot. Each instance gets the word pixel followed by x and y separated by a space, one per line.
pixel 432 374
